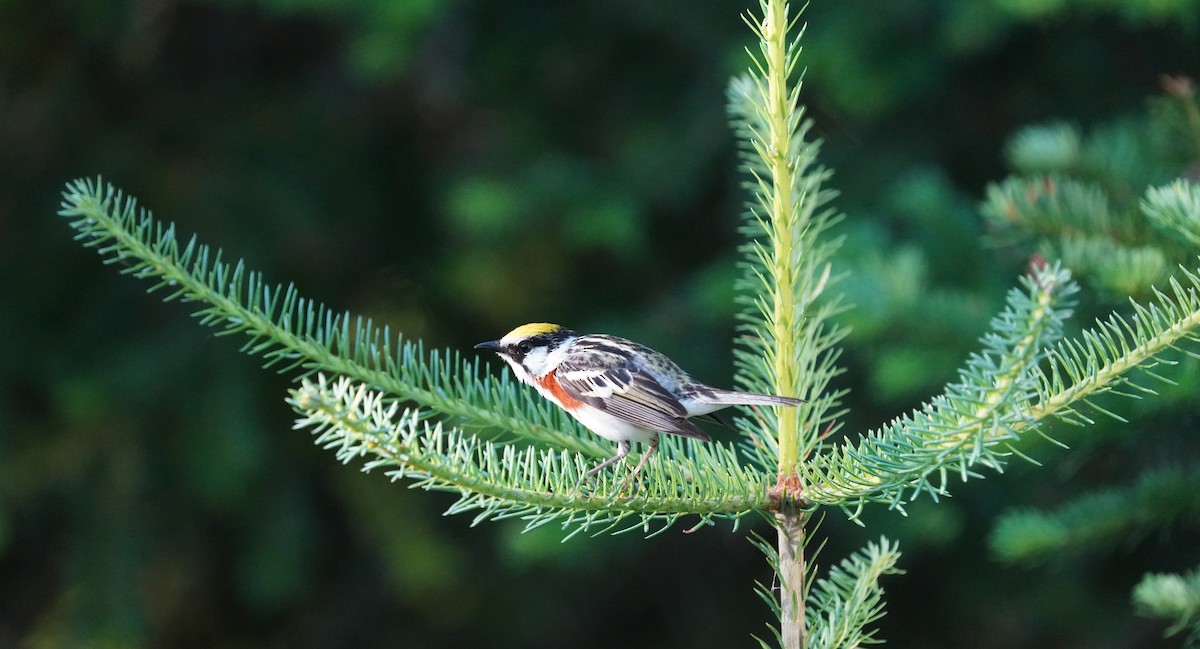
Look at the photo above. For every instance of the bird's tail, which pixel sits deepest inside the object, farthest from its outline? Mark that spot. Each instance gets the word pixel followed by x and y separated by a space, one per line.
pixel 703 399
pixel 721 398
pixel 734 398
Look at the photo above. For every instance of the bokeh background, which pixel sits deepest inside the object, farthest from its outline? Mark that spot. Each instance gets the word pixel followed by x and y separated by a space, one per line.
pixel 455 168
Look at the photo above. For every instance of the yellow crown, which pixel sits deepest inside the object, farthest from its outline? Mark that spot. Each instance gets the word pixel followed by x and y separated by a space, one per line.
pixel 533 329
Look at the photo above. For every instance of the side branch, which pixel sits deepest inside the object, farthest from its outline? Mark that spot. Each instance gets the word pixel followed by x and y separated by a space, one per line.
pixel 1102 358
pixel 500 481
pixel 291 332
pixel 961 428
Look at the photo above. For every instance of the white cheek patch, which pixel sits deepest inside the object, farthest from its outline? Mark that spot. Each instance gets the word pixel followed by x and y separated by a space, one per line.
pixel 518 370
pixel 535 362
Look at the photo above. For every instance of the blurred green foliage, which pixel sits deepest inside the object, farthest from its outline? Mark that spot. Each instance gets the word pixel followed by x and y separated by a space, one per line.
pixel 1116 205
pixel 454 169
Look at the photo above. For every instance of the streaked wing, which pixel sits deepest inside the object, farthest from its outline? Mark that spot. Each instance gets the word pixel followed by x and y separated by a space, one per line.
pixel 607 381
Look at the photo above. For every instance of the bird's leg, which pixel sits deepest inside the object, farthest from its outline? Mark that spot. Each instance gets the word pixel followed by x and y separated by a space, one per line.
pixel 641 463
pixel 623 447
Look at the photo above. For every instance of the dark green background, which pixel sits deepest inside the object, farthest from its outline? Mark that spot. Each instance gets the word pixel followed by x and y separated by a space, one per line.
pixel 454 169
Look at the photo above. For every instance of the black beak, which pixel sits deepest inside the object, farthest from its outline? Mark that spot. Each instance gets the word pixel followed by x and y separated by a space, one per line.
pixel 493 345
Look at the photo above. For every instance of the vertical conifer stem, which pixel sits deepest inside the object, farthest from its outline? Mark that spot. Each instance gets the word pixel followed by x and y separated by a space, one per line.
pixel 792 628
pixel 783 217
pixel 781 111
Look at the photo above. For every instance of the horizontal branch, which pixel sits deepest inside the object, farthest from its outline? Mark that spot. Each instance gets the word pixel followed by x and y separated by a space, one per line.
pixel 968 425
pixel 535 485
pixel 293 333
pixel 1101 359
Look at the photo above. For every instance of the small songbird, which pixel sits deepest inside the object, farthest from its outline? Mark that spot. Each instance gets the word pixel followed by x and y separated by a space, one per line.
pixel 618 389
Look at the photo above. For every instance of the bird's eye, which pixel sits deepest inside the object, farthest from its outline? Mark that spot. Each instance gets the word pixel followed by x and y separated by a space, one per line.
pixel 524 347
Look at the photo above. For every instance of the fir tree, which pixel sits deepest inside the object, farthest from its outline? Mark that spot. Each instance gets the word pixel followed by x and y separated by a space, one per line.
pixel 444 422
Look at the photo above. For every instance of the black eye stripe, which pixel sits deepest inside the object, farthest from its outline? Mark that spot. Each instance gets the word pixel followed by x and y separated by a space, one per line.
pixel 520 349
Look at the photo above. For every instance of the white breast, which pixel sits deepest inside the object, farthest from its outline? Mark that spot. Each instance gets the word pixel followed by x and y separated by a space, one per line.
pixel 610 427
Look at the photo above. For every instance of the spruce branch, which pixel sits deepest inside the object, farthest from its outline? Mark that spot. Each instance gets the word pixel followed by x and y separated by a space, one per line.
pixel 1052 206
pixel 1079 224
pixel 1046 149
pixel 1158 500
pixel 436 441
pixel 1101 359
pixel 1175 210
pixel 292 333
pixel 971 424
pixel 1082 199
pixel 537 486
pixel 1119 269
pixel 1004 392
pixel 850 599
pixel 786 340
pixel 1172 597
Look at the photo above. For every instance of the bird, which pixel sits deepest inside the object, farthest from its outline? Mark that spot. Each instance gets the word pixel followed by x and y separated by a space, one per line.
pixel 620 390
